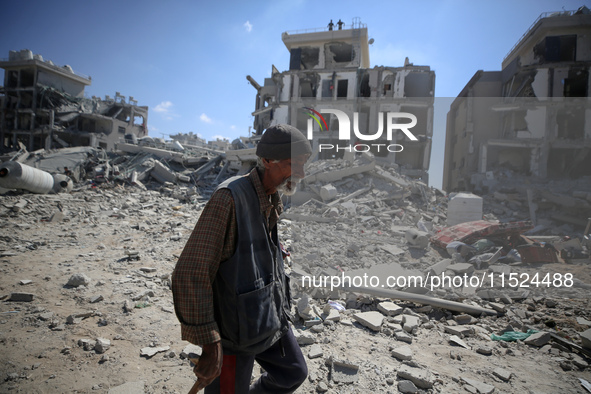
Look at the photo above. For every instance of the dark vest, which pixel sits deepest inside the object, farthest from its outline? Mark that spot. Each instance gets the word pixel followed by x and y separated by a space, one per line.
pixel 251 290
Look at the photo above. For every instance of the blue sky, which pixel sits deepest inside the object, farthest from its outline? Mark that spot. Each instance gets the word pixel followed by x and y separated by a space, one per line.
pixel 188 60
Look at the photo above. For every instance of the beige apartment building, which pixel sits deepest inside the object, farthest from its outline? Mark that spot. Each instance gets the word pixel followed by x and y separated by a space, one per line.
pixel 533 117
pixel 330 70
pixel 42 105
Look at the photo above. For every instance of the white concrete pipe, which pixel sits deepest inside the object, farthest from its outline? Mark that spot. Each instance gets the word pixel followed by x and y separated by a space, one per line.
pixel 62 183
pixel 421 299
pixel 15 175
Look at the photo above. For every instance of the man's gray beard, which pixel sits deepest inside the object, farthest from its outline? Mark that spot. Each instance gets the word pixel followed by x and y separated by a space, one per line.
pixel 288 187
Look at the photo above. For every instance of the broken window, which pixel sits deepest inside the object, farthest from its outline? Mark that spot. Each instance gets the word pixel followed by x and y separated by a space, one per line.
pixel 121 129
pixel 295 59
pixel 27 78
pixel 310 57
pixel 364 89
pixel 308 86
pixel 387 89
pixel 12 80
pixel 576 84
pixel 342 88
pixel 418 84
pixel 571 124
pixel 340 52
pixel 26 100
pixel 514 122
pixel 557 49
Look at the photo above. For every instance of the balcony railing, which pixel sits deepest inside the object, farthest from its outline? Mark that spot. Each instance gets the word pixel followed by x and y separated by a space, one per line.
pixel 542 16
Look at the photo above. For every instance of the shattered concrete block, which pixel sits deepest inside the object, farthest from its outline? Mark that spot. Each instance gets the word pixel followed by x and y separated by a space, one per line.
pixel 315 351
pixel 579 361
pixel 78 279
pixel 402 353
pixel 96 299
pixel 304 337
pixel 389 308
pixel 328 192
pixel 151 351
pixel 343 372
pixel 538 339
pixel 438 268
pixel 25 282
pixel 407 387
pixel 22 297
pixel 102 345
pixel 502 374
pixel 371 319
pixel 455 340
pixel 461 331
pixel 191 351
pixel 485 351
pixel 403 337
pixel 86 344
pixel 417 238
pixel 420 377
pixel 305 308
pixel 333 315
pixel 482 388
pixel 410 324
pixel 498 307
pixel 464 319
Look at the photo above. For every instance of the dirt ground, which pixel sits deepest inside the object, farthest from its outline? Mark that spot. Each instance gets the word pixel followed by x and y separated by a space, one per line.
pixel 41 351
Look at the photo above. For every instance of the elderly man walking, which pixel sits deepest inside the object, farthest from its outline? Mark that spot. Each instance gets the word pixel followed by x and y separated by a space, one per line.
pixel 230 291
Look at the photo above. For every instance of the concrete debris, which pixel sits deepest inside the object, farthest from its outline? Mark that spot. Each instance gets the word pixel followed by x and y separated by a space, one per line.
pixel 538 339
pixel 368 245
pixel 77 280
pixel 455 340
pixel 402 353
pixel 22 297
pixel 420 377
pixel 151 351
pixel 481 388
pixel 344 372
pixel 502 374
pixel 371 320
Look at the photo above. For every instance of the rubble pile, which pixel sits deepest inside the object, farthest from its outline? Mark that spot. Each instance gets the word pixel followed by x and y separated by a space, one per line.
pixel 86 306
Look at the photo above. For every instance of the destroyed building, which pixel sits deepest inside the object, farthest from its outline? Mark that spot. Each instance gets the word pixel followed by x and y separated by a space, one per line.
pixel 43 105
pixel 330 70
pixel 533 117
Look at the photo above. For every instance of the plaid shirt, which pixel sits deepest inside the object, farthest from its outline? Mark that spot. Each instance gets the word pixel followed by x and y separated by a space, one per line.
pixel 212 242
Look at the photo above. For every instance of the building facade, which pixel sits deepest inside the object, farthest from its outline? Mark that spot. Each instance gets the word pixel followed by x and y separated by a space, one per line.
pixel 330 70
pixel 43 106
pixel 533 117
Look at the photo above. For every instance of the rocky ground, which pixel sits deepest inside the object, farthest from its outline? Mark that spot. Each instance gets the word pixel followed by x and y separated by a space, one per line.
pixel 86 304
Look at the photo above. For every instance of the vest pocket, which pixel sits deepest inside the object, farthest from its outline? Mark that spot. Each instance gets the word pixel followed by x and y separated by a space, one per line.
pixel 257 315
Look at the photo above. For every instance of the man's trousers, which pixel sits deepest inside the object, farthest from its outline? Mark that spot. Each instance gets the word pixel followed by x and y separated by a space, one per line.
pixel 284 365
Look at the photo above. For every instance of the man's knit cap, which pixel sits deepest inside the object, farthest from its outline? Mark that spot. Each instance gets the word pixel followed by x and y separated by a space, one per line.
pixel 282 142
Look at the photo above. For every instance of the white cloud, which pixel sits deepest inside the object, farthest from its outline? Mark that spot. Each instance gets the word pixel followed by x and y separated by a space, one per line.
pixel 164 107
pixel 248 26
pixel 205 118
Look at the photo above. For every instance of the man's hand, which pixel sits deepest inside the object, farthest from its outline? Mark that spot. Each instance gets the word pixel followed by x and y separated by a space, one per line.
pixel 210 364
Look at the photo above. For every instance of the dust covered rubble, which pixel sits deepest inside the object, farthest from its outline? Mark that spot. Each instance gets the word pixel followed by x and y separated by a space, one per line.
pixel 120 241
